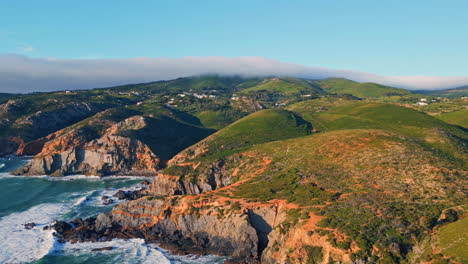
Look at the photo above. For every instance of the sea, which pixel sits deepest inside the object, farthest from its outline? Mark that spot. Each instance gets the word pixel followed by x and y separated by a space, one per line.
pixel 44 199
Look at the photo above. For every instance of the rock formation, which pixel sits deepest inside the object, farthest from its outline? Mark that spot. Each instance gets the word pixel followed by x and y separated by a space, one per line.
pixel 185 225
pixel 78 151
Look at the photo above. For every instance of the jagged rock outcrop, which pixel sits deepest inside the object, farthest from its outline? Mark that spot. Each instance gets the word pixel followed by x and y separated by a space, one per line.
pixel 211 176
pixel 186 225
pixel 78 151
pixel 104 156
pixel 175 227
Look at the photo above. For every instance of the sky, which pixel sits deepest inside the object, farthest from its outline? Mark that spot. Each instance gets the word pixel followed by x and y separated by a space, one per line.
pixel 414 44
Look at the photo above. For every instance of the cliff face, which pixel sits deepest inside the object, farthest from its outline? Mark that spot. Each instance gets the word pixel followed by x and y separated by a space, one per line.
pixel 186 225
pixel 104 156
pixel 249 232
pixel 78 151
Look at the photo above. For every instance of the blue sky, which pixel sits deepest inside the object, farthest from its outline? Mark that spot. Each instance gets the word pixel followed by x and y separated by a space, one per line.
pixel 383 37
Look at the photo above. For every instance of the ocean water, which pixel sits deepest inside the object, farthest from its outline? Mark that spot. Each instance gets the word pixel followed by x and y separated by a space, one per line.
pixel 44 199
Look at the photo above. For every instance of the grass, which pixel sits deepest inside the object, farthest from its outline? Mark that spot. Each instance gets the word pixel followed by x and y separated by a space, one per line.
pixel 260 127
pixel 328 115
pixel 459 118
pixel 453 240
pixel 287 86
pixel 218 119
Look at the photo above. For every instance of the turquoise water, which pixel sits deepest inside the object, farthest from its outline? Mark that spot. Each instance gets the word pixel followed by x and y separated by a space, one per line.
pixel 44 199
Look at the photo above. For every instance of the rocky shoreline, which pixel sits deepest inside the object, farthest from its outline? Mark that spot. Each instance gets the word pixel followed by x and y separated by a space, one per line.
pixel 234 236
pixel 90 230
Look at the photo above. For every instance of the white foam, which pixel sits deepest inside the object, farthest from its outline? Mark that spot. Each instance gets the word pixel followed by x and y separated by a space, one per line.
pixel 193 259
pixel 20 245
pixel 83 199
pixel 73 177
pixel 2 165
pixel 93 178
pixel 124 251
pixel 8 175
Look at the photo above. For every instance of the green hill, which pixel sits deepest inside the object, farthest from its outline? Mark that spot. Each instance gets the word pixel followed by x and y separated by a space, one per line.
pixel 365 190
pixel 285 86
pixel 328 115
pixel 459 118
pixel 194 83
pixel 260 127
pixel 362 90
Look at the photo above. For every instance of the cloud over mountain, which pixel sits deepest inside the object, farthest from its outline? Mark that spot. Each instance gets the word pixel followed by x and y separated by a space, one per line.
pixel 26 74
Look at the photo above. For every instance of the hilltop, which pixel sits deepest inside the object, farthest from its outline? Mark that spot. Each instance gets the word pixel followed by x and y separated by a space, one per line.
pixel 362 90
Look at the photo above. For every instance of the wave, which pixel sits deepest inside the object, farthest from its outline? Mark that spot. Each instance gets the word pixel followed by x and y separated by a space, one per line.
pixel 22 246
pixel 2 165
pixel 93 178
pixel 130 251
pixel 123 251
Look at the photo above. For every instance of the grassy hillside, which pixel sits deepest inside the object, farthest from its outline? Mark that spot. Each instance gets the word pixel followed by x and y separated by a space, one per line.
pixel 362 90
pixel 452 240
pixel 373 182
pixel 328 115
pixel 195 83
pixel 370 181
pixel 260 127
pixel 371 193
pixel 286 86
pixel 459 118
pixel 278 92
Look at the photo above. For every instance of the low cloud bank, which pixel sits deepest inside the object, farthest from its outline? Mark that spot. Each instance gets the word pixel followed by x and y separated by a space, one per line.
pixel 21 74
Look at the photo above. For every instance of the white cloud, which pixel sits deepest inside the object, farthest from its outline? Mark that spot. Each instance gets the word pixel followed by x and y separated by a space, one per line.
pixel 26 74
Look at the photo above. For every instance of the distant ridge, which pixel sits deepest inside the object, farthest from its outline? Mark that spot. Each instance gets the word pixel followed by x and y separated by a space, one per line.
pixel 451 92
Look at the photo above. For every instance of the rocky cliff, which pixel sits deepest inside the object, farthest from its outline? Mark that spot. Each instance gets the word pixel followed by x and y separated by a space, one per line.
pixel 83 151
pixel 185 225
